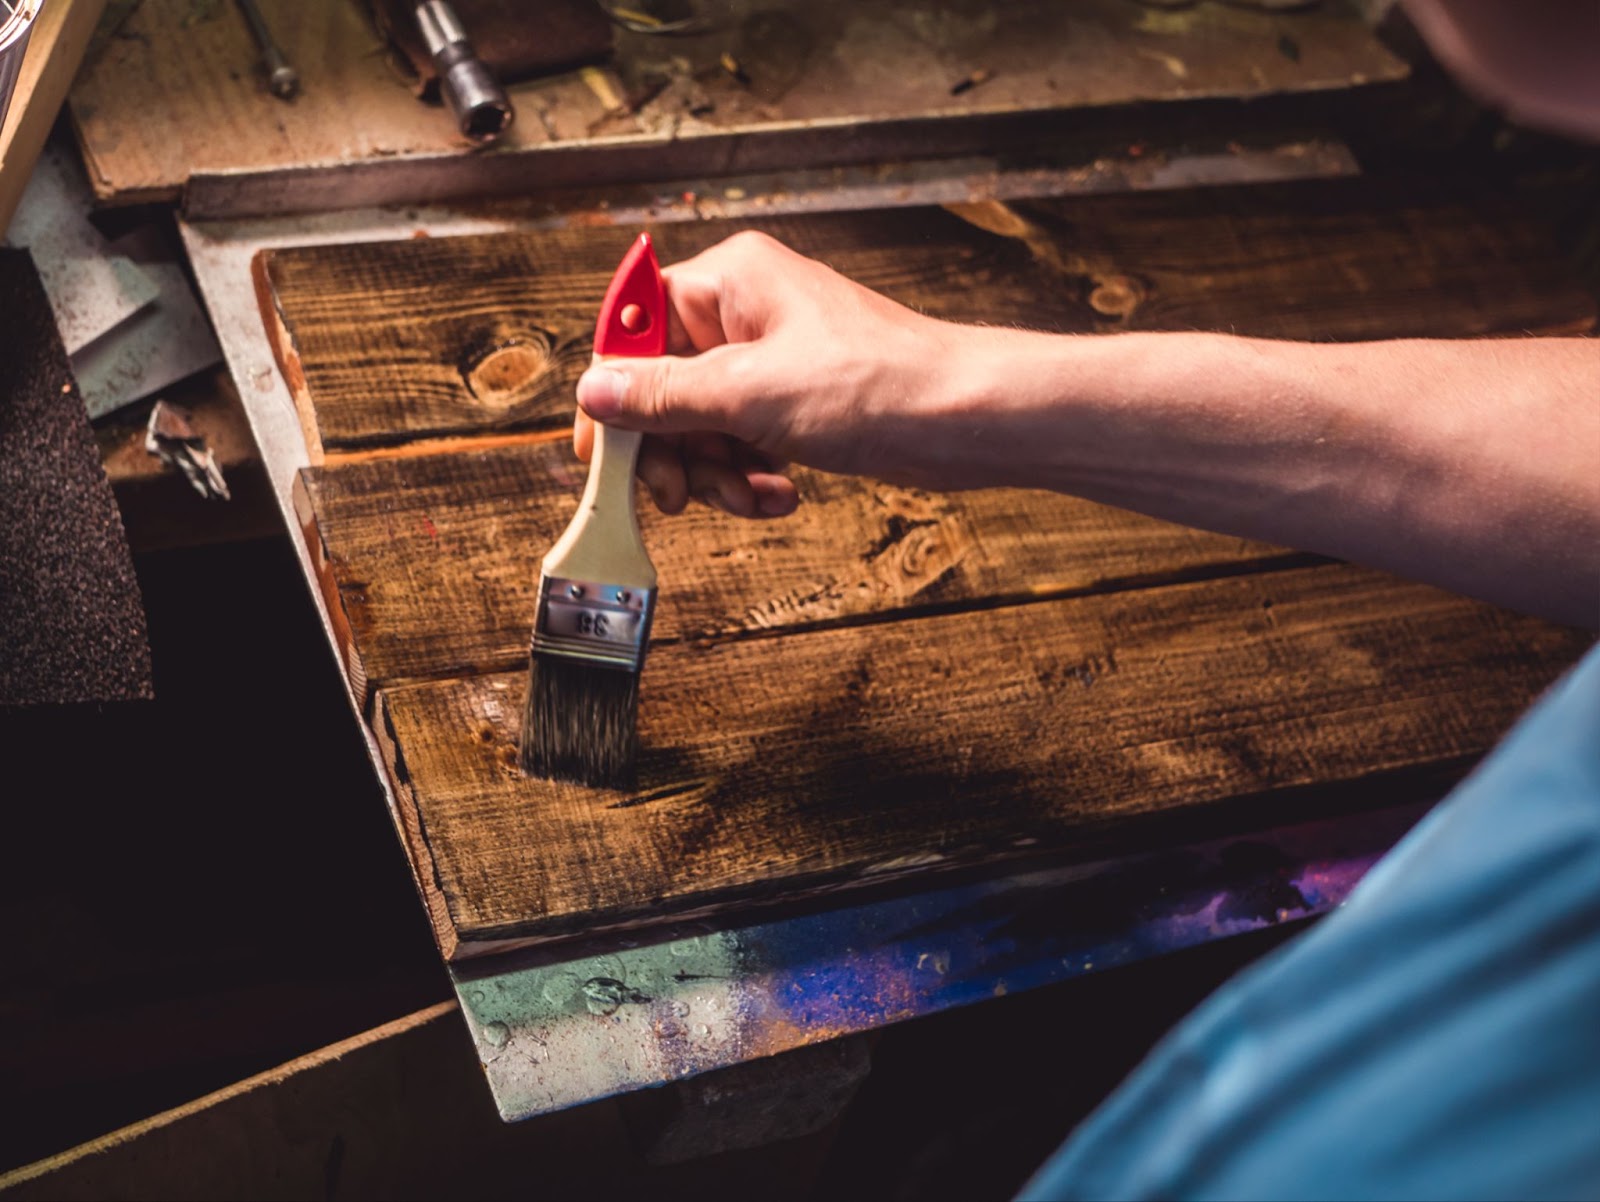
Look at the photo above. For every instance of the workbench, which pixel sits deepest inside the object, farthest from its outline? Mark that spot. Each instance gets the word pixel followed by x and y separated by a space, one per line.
pixel 605 1011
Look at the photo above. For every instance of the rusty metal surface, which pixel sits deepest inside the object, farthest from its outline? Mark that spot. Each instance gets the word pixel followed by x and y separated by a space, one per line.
pixel 955 179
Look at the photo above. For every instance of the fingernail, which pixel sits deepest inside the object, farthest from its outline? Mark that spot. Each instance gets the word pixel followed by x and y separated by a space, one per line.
pixel 773 507
pixel 601 391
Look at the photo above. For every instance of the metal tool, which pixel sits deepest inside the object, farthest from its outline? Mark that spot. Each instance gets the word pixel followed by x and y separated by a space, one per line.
pixel 281 77
pixel 481 107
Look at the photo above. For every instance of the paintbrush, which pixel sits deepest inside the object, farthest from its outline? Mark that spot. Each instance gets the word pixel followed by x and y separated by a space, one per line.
pixel 597 586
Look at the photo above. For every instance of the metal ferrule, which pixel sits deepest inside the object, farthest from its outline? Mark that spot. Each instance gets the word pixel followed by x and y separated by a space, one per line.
pixel 600 623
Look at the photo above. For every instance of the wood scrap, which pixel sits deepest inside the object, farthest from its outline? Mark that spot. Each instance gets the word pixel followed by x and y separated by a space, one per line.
pixel 891 684
pixel 172 103
pixel 385 343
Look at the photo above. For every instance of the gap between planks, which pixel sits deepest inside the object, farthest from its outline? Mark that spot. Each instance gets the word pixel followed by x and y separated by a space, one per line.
pixel 1193 574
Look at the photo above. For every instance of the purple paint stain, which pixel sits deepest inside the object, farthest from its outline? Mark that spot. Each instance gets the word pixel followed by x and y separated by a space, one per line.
pixel 861 967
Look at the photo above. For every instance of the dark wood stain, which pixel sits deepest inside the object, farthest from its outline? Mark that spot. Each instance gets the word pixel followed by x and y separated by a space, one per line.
pixel 828 759
pixel 894 682
pixel 379 336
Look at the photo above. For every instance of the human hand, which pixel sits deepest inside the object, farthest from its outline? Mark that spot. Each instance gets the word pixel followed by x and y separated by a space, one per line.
pixel 772 358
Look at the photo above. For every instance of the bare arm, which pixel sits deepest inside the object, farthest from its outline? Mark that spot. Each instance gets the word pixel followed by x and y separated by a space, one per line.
pixel 1474 465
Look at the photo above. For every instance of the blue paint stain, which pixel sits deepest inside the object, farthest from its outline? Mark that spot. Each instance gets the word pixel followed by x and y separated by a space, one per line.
pixel 860 967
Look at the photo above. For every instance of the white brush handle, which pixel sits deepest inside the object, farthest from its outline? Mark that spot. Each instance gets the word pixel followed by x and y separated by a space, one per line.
pixel 602 544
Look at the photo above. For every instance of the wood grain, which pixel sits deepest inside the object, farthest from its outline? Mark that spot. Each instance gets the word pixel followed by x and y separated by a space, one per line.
pixel 391 341
pixel 388 342
pixel 833 759
pixel 430 564
pixel 56 44
pixel 178 100
pixel 400 1111
pixel 896 682
pixel 1323 262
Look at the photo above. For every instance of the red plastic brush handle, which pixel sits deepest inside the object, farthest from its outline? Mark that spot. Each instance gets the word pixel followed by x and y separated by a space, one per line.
pixel 633 316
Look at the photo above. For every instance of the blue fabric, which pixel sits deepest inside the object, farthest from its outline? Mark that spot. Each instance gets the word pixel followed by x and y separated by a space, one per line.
pixel 1436 1037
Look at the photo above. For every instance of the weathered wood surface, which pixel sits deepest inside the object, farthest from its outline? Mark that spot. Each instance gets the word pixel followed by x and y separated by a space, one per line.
pixel 178 102
pixel 388 342
pixel 432 562
pixel 780 767
pixel 291 1126
pixel 891 682
pixel 1336 261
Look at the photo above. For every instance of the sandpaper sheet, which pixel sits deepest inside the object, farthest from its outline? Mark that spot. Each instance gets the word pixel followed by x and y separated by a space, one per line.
pixel 72 625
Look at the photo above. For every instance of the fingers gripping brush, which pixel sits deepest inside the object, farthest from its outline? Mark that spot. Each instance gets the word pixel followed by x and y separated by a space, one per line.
pixel 597 588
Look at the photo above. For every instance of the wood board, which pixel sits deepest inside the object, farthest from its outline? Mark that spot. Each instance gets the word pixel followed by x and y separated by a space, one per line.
pixel 176 102
pixel 432 561
pixel 56 44
pixel 399 1111
pixel 891 684
pixel 386 343
pixel 776 769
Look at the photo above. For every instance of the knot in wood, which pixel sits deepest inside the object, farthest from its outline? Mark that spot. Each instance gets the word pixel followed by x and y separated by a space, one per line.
pixel 510 372
pixel 1115 296
pixel 921 549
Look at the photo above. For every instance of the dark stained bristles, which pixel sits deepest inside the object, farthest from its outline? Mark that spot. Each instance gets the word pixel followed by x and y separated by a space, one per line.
pixel 580 721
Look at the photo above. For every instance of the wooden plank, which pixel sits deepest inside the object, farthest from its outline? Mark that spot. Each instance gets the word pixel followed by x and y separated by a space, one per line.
pixel 387 342
pixel 1325 262
pixel 431 563
pixel 56 44
pixel 785 763
pixel 179 96
pixel 400 1111
pixel 778 768
pixel 228 1143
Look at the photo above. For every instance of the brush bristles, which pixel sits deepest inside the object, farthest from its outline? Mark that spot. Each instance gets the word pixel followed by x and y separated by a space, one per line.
pixel 580 722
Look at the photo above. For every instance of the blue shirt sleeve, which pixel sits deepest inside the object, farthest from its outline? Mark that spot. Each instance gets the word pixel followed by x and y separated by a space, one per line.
pixel 1438 1036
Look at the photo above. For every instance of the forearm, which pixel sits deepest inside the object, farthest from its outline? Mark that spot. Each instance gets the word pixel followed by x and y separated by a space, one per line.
pixel 1474 465
pixel 1471 464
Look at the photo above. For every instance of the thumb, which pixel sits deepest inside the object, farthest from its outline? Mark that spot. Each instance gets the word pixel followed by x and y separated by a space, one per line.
pixel 666 395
